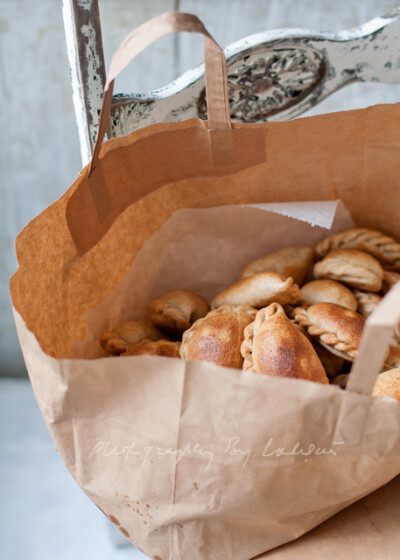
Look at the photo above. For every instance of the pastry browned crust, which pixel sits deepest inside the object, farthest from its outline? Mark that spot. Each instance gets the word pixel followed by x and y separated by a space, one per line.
pixel 274 346
pixel 352 267
pixel 392 360
pixel 341 380
pixel 336 328
pixel 388 384
pixel 115 341
pixel 332 363
pixel 329 291
pixel 164 348
pixel 384 248
pixel 367 302
pixel 390 278
pixel 259 290
pixel 217 337
pixel 176 311
pixel 292 261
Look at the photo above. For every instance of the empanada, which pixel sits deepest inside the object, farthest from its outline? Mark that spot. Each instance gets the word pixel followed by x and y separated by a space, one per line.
pixel 217 337
pixel 384 248
pixel 259 290
pixel 329 291
pixel 336 328
pixel 390 278
pixel 292 261
pixel 115 341
pixel 274 346
pixel 392 360
pixel 388 384
pixel 341 380
pixel 352 267
pixel 176 311
pixel 332 363
pixel 366 302
pixel 164 348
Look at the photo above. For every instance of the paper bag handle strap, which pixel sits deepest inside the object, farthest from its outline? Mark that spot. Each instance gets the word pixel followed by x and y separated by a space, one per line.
pixel 214 60
pixel 375 341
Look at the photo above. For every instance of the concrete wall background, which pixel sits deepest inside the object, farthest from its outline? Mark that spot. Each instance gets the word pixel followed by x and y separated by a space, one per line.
pixel 39 150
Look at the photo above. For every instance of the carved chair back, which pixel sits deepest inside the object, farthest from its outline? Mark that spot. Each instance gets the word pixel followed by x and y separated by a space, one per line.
pixel 275 75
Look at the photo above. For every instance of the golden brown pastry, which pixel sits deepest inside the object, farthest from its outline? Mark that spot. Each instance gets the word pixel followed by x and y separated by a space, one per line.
pixel 341 380
pixel 336 328
pixel 176 311
pixel 392 360
pixel 353 267
pixel 366 302
pixel 274 346
pixel 217 336
pixel 329 291
pixel 390 278
pixel 260 290
pixel 332 363
pixel 385 249
pixel 115 341
pixel 292 261
pixel 153 348
pixel 388 384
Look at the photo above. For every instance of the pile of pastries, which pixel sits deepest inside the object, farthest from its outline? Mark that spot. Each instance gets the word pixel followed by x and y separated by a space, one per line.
pixel 298 312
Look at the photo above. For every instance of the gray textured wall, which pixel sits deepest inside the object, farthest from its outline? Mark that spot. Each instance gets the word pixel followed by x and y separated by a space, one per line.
pixel 39 151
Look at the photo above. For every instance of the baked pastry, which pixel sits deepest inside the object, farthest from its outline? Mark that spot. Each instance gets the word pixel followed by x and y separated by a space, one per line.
pixel 388 384
pixel 353 267
pixel 392 360
pixel 341 380
pixel 390 278
pixel 292 261
pixel 176 311
pixel 332 363
pixel 259 290
pixel 274 346
pixel 366 302
pixel 330 291
pixel 217 337
pixel 129 332
pixel 384 248
pixel 336 328
pixel 153 348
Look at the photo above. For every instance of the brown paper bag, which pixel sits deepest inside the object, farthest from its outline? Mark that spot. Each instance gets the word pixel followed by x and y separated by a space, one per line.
pixel 189 459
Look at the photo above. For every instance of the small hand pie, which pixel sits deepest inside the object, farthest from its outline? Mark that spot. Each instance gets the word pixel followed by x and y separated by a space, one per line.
pixel 353 267
pixel 292 261
pixel 217 337
pixel 158 348
pixel 333 364
pixel 388 384
pixel 392 360
pixel 366 302
pixel 385 249
pixel 341 380
pixel 259 290
pixel 274 346
pixel 329 291
pixel 390 278
pixel 176 311
pixel 336 328
pixel 115 341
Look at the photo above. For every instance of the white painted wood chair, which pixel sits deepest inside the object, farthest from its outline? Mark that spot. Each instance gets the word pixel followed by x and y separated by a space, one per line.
pixel 274 75
pixel 271 76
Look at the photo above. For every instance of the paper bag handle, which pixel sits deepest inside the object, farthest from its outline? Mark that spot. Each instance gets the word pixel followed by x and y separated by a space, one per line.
pixel 147 33
pixel 377 334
